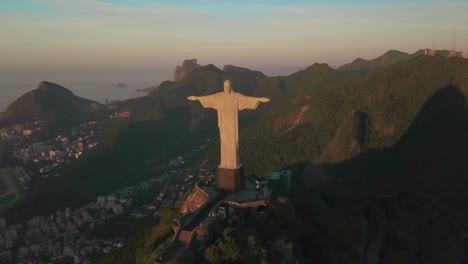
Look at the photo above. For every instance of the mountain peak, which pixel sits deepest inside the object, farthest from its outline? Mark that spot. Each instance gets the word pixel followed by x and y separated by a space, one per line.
pixel 394 52
pixel 317 67
pixel 314 69
pixel 231 69
pixel 360 65
pixel 49 101
pixel 211 67
pixel 181 72
pixel 53 88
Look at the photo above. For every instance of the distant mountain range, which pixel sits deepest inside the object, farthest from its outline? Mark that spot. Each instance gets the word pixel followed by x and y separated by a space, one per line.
pixel 362 66
pixel 388 58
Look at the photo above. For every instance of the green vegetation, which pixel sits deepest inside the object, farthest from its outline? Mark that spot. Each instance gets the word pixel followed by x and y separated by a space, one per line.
pixel 11 198
pixel 52 103
pixel 49 102
pixel 18 183
pixel 3 186
pixel 394 226
pixel 120 226
pixel 236 247
pixel 390 98
pixel 146 242
pixel 257 242
pixel 390 57
pixel 125 225
pixel 6 200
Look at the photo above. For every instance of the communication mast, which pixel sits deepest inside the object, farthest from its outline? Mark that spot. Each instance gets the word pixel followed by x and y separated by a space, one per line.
pixel 432 52
pixel 453 50
pixel 466 51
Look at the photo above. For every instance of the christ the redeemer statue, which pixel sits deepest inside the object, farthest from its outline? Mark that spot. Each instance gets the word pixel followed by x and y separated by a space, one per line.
pixel 228 104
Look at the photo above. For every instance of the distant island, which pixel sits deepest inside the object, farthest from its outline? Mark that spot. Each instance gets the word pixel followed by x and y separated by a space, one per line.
pixel 121 85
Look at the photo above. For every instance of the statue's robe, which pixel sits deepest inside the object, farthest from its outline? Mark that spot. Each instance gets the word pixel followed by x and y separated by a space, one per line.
pixel 228 105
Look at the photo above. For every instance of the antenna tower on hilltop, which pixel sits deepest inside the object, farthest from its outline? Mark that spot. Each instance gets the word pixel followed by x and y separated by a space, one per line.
pixel 432 52
pixel 453 51
pixel 454 43
pixel 466 51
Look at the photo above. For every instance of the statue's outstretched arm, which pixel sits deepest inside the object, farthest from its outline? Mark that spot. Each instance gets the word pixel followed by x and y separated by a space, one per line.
pixel 248 102
pixel 208 101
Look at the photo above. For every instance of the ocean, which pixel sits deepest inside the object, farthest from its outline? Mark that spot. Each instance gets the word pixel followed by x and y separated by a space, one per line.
pixel 90 85
pixel 95 91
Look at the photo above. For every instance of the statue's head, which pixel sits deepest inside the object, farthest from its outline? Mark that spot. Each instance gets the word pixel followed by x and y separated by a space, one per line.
pixel 227 86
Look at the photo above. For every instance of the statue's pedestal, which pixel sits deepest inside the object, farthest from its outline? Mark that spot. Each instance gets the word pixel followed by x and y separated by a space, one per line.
pixel 230 179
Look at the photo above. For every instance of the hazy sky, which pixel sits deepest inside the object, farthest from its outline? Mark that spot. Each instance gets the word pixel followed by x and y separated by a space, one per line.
pixel 101 35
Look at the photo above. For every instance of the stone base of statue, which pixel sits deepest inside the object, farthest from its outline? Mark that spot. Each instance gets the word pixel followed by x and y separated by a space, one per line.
pixel 230 179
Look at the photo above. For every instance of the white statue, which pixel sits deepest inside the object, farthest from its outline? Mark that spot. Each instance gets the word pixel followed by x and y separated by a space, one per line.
pixel 228 104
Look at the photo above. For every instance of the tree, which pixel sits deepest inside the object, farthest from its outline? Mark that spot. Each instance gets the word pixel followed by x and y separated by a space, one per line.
pixel 236 246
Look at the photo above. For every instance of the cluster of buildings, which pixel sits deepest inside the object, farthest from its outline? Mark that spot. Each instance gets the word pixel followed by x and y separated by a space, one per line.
pixel 64 234
pixel 27 129
pixel 177 161
pixel 61 149
pixel 18 134
pixel 452 53
pixel 55 237
pixel 120 115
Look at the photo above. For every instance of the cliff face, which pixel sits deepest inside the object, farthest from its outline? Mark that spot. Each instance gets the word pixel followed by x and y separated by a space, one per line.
pixel 181 72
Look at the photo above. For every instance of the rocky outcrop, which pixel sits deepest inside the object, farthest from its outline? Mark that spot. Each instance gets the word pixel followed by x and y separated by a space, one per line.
pixel 181 72
pixel 301 116
pixel 348 140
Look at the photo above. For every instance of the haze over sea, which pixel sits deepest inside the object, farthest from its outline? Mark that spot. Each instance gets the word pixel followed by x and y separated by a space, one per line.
pixel 97 85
